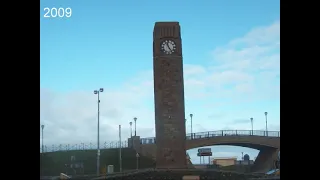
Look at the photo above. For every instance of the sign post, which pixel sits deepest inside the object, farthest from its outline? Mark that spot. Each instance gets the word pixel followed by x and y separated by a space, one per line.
pixel 137 156
pixel 204 152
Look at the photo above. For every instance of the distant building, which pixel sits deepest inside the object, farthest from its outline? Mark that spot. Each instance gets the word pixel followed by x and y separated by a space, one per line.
pixel 246 160
pixel 246 157
pixel 224 161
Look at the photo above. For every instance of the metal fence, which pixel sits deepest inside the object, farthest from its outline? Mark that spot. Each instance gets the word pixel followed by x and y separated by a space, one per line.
pixel 152 140
pixel 83 146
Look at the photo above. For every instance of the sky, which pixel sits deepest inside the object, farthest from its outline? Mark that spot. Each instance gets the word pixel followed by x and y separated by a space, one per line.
pixel 231 60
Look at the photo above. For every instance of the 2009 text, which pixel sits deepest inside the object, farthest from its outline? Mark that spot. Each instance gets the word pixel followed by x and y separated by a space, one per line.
pixel 57 12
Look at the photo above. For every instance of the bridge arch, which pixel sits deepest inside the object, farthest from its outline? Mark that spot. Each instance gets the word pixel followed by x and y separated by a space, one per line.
pixel 254 142
pixel 245 138
pixel 267 142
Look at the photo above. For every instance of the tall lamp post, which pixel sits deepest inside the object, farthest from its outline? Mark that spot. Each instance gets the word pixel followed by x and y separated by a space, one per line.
pixel 98 136
pixel 130 129
pixel 120 155
pixel 135 126
pixel 266 114
pixel 42 146
pixel 42 149
pixel 131 145
pixel 251 126
pixel 191 115
pixel 185 120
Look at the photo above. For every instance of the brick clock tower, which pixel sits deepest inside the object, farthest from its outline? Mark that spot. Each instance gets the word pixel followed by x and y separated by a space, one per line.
pixel 169 96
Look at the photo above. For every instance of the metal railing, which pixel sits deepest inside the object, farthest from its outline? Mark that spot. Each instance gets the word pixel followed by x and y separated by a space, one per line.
pixel 84 146
pixel 212 134
pixel 151 140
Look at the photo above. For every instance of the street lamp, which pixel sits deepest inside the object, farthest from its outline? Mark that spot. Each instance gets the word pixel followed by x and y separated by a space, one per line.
pixel 98 136
pixel 131 134
pixel 185 120
pixel 120 155
pixel 191 115
pixel 266 114
pixel 135 126
pixel 130 129
pixel 42 146
pixel 251 126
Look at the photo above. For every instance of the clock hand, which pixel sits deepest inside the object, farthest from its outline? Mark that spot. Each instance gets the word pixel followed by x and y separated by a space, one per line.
pixel 168 46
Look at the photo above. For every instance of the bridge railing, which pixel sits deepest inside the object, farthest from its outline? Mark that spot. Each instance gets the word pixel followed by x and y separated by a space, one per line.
pixel 211 134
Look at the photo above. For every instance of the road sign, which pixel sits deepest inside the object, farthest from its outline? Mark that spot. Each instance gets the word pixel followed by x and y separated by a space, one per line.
pixel 202 150
pixel 73 158
pixel 137 155
pixel 205 154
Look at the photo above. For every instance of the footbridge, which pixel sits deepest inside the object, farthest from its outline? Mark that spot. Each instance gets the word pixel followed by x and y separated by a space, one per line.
pixel 267 142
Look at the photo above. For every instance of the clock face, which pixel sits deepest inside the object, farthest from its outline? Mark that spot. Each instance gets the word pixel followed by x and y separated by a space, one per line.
pixel 168 47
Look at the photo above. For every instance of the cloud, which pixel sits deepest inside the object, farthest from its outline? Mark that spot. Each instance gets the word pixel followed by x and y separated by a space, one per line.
pixel 216 115
pixel 72 117
pixel 241 76
pixel 191 70
pixel 241 121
